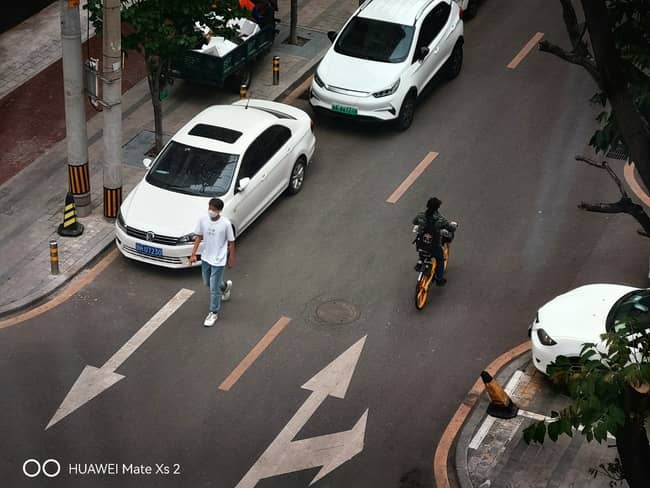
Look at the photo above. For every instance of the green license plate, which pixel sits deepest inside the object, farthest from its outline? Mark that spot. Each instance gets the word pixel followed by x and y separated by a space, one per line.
pixel 344 110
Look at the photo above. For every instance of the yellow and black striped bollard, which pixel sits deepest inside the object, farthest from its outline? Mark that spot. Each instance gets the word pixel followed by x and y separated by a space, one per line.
pixel 70 227
pixel 243 91
pixel 276 70
pixel 54 257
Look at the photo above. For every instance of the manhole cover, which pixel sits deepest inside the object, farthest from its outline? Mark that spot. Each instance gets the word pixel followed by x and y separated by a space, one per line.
pixel 337 312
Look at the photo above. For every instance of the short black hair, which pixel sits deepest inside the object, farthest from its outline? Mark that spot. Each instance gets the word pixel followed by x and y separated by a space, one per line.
pixel 433 204
pixel 216 203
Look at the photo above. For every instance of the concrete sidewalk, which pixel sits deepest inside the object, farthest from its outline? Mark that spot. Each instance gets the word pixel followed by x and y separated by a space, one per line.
pixel 492 453
pixel 31 203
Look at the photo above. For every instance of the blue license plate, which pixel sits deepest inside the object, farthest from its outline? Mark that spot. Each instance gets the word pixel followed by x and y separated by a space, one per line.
pixel 148 250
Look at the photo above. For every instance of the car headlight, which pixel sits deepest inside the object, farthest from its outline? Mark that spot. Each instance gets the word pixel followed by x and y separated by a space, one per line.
pixel 120 220
pixel 544 338
pixel 388 91
pixel 186 238
pixel 319 81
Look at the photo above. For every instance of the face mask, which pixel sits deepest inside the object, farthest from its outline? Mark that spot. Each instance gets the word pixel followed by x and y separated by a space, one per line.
pixel 213 214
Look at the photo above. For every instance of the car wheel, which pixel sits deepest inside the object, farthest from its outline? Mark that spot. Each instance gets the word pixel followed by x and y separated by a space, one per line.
pixel 470 11
pixel 454 63
pixel 297 177
pixel 406 112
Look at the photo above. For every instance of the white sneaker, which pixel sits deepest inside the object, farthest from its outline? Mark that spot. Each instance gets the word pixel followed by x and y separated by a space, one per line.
pixel 225 294
pixel 210 319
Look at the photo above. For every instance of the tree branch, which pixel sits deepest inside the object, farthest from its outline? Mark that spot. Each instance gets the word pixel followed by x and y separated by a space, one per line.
pixel 575 30
pixel 574 58
pixel 624 205
pixel 604 165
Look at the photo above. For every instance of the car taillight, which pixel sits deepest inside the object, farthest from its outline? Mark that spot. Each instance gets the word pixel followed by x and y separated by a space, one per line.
pixel 460 12
pixel 311 124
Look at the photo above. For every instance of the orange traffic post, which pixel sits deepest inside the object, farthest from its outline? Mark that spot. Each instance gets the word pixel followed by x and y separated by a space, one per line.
pixel 276 70
pixel 54 257
pixel 501 405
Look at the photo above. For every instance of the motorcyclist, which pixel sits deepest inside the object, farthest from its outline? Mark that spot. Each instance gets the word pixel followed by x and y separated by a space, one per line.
pixel 433 218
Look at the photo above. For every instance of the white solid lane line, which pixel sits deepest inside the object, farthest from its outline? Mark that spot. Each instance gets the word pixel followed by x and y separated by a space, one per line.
pixel 93 381
pixel 489 421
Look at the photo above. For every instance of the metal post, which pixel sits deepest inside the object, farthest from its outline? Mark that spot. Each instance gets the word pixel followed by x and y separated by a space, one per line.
pixel 54 257
pixel 112 95
pixel 243 91
pixel 276 70
pixel 75 110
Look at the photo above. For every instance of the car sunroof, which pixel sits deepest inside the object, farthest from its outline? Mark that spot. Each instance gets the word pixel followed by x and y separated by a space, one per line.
pixel 213 132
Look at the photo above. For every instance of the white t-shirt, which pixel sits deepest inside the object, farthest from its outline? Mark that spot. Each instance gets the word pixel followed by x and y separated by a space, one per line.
pixel 216 235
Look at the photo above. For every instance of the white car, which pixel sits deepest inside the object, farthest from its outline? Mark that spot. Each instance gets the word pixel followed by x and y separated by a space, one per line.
pixel 385 55
pixel 580 316
pixel 247 154
pixel 470 7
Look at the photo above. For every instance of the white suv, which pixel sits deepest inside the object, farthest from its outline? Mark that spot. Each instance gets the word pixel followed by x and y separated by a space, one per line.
pixel 385 55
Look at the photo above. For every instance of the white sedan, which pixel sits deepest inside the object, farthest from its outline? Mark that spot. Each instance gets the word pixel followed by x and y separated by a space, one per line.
pixel 247 154
pixel 580 316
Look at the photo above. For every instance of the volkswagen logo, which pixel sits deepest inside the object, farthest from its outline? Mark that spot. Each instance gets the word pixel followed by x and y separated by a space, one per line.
pixel 151 236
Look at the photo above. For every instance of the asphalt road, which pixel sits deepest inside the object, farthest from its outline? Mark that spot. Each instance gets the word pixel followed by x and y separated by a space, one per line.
pixel 505 138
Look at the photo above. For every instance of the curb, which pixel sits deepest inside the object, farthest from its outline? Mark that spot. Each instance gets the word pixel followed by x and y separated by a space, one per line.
pixel 449 438
pixel 475 419
pixel 34 298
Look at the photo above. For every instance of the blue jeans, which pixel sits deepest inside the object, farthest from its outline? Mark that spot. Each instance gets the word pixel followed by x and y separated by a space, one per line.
pixel 213 279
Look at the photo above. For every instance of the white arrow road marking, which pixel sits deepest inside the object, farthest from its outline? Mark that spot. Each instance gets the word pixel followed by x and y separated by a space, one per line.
pixel 94 381
pixel 284 455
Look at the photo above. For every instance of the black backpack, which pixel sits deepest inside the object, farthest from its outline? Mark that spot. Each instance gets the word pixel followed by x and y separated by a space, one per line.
pixel 428 238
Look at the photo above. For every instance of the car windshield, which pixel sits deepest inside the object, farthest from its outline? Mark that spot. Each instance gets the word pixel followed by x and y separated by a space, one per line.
pixel 375 40
pixel 187 169
pixel 633 310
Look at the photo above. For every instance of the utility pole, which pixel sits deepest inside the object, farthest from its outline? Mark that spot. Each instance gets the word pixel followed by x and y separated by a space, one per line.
pixel 75 109
pixel 293 36
pixel 112 96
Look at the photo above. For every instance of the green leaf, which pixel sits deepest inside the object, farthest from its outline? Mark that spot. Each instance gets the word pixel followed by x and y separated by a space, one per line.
pixel 540 432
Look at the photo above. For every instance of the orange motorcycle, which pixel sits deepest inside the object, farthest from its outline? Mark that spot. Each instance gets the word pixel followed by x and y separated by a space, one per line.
pixel 427 269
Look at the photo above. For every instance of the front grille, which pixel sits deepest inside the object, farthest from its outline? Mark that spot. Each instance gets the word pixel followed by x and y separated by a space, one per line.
pixel 347 91
pixel 160 239
pixel 161 259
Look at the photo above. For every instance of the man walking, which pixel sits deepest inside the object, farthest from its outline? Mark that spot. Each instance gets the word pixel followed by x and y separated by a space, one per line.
pixel 218 248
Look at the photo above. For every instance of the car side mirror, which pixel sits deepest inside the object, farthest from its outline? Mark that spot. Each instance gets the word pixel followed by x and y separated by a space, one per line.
pixel 331 35
pixel 423 53
pixel 243 183
pixel 147 162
